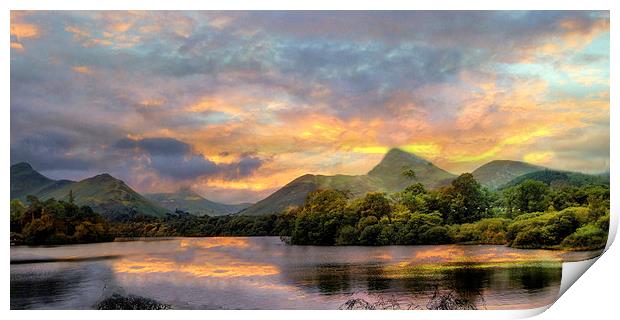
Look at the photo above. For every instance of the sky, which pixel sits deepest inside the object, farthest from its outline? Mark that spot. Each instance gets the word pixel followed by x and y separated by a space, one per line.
pixel 237 104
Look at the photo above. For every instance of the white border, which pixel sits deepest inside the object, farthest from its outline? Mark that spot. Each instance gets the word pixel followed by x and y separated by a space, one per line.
pixel 600 299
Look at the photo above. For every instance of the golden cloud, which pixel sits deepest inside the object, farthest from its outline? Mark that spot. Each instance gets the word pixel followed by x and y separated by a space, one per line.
pixel 82 69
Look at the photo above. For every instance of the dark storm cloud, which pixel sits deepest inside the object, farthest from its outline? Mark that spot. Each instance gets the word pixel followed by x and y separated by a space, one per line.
pixel 48 151
pixel 174 159
pixel 156 146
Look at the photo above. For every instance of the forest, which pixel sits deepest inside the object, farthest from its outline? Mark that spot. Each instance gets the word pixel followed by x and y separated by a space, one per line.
pixel 528 215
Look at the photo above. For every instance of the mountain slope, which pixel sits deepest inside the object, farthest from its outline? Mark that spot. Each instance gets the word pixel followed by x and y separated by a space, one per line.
pixel 499 172
pixel 187 200
pixel 390 171
pixel 385 177
pixel 560 179
pixel 107 196
pixel 27 181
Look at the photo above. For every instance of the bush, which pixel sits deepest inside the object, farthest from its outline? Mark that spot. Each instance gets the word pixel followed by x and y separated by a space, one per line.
pixel 543 230
pixel 588 237
pixel 347 236
pixel 435 235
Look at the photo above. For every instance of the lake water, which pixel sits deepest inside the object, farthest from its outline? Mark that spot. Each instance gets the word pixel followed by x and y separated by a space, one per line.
pixel 265 273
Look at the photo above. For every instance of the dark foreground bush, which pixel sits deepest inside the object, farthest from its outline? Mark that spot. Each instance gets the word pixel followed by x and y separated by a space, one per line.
pixel 130 302
pixel 441 300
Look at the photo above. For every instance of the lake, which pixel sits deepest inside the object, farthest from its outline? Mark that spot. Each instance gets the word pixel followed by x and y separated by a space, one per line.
pixel 265 273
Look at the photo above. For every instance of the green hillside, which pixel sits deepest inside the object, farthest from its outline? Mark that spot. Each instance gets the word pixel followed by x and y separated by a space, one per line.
pixel 108 196
pixel 387 176
pixel 499 172
pixel 560 179
pixel 187 200
pixel 389 172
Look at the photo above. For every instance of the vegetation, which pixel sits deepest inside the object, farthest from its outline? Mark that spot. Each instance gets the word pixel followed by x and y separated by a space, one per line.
pixel 531 214
pixel 56 222
pixel 560 179
pixel 130 302
pixel 183 224
pixel 528 215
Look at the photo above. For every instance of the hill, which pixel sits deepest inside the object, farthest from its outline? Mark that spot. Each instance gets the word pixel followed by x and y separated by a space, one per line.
pixel 497 173
pixel 107 195
pixel 27 181
pixel 385 177
pixel 560 179
pixel 187 200
pixel 390 171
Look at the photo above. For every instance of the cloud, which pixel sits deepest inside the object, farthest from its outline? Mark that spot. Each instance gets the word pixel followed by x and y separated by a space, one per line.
pixel 175 160
pixel 81 69
pixel 181 97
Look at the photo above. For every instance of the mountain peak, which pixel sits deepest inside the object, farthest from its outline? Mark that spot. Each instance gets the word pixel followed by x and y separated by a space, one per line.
pixel 103 178
pixel 395 161
pixel 21 166
pixel 397 153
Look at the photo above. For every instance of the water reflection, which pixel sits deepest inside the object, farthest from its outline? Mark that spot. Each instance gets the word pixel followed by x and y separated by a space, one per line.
pixel 263 273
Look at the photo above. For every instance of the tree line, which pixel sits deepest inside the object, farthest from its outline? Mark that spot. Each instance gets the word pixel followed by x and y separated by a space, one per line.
pixel 528 215
pixel 56 222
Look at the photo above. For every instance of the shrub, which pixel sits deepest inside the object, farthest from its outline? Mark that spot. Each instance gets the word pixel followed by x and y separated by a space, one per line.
pixel 588 237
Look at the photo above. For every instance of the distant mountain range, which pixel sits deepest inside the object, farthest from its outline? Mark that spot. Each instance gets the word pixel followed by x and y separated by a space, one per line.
pixel 110 196
pixel 386 176
pixel 187 200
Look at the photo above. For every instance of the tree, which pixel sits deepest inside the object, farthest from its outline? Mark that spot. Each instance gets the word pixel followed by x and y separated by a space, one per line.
pixel 320 218
pixel 409 173
pixel 529 196
pixel 373 204
pixel 18 211
pixel 464 200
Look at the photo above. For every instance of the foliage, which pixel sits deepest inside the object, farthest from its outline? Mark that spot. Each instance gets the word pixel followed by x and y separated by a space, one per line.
pixel 527 215
pixel 560 179
pixel 463 212
pixel 464 200
pixel 587 237
pixel 57 222
pixel 485 231
pixel 529 196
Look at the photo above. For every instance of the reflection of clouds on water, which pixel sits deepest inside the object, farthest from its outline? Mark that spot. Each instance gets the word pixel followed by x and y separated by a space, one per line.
pixel 264 273
pixel 217 268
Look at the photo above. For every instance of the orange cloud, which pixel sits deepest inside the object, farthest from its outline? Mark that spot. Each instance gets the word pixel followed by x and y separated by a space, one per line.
pixel 82 69
pixel 16 45
pixel 24 30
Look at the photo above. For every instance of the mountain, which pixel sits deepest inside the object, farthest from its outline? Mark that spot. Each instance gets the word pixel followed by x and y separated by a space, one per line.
pixel 108 196
pixel 390 171
pixel 27 181
pixel 104 193
pixel 499 172
pixel 560 179
pixel 385 177
pixel 187 200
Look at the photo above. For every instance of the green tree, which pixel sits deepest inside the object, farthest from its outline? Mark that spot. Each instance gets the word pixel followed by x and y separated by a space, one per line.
pixel 529 196
pixel 464 200
pixel 409 173
pixel 18 211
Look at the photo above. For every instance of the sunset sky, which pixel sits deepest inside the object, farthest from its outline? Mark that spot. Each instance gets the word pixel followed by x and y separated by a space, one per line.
pixel 237 104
